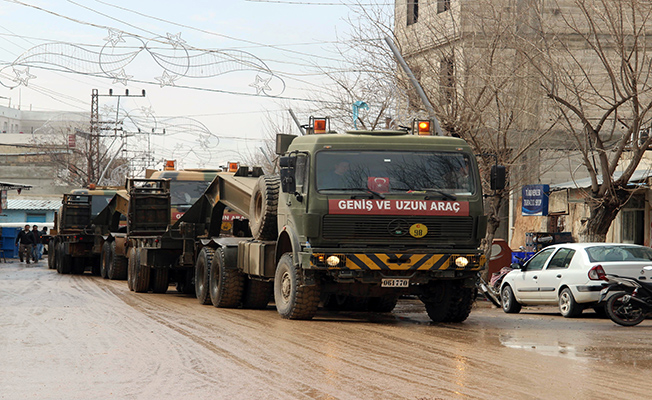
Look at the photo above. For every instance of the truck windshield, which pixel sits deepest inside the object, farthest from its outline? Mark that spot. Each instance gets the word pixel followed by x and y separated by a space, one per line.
pixel 186 192
pixel 395 172
pixel 99 202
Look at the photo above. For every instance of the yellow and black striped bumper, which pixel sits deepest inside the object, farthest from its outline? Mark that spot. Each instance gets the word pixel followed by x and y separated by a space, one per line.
pixel 402 262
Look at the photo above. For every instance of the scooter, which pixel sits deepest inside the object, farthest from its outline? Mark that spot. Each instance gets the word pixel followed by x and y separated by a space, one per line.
pixel 629 300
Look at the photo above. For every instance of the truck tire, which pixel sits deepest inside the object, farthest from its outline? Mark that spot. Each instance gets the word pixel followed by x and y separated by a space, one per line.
pixel 117 265
pixel 160 280
pixel 226 283
pixel 383 304
pixel 141 275
pixel 202 274
pixel 131 270
pixel 104 260
pixel 293 300
pixel 257 294
pixel 449 301
pixel 262 208
pixel 65 261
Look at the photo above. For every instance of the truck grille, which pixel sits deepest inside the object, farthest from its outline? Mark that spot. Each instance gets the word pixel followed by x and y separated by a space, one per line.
pixel 369 228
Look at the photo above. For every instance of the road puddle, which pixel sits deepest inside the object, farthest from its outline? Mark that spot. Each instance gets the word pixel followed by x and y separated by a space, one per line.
pixel 546 347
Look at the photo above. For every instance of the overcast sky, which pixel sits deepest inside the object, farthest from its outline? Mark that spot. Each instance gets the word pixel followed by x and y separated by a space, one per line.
pixel 267 52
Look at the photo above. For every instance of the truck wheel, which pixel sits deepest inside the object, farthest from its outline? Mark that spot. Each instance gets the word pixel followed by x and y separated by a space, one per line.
pixel 104 260
pixel 160 280
pixel 117 266
pixel 293 300
pixel 65 261
pixel 449 301
pixel 131 271
pixel 141 276
pixel 257 294
pixel 262 208
pixel 202 273
pixel 226 283
pixel 383 304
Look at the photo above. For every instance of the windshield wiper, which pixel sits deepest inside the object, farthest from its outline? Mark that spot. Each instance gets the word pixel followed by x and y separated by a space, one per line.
pixel 441 192
pixel 372 192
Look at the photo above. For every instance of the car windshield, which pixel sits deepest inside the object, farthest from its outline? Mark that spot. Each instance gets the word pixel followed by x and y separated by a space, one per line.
pixel 618 253
pixel 395 171
pixel 186 192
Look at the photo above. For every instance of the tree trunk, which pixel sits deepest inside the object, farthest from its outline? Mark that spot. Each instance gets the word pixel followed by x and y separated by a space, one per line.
pixel 603 212
pixel 494 205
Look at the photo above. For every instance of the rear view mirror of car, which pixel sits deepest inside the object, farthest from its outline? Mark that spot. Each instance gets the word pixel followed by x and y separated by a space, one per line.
pixel 516 266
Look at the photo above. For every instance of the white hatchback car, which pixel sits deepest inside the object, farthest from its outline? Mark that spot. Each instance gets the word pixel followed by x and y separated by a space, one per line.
pixel 571 275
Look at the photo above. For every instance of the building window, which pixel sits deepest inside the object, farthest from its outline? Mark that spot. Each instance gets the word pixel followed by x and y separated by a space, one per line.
pixel 443 6
pixel 447 79
pixel 412 11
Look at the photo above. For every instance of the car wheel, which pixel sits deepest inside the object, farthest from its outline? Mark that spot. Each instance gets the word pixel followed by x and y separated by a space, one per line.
pixel 568 307
pixel 510 305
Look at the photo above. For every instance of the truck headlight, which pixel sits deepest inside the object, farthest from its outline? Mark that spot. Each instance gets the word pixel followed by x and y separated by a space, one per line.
pixel 461 262
pixel 333 261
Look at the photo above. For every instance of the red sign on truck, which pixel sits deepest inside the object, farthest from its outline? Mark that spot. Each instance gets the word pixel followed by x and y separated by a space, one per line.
pixel 397 207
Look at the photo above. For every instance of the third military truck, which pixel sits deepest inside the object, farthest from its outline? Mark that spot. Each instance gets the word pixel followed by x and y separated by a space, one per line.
pixel 358 218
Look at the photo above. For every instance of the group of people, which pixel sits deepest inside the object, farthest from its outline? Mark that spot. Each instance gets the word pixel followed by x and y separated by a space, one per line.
pixel 31 243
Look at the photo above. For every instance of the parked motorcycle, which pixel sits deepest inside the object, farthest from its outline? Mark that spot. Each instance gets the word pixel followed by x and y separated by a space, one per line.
pixel 629 300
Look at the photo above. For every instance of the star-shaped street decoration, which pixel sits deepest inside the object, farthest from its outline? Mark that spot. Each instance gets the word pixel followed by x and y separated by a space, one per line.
pixel 22 77
pixel 121 77
pixel 175 40
pixel 261 85
pixel 147 111
pixel 115 37
pixel 167 79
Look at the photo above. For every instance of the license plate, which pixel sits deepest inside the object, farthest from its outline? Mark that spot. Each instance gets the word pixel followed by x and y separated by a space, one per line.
pixel 395 282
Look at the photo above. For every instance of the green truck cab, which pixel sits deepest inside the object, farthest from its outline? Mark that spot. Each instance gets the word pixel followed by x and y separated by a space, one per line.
pixel 367 216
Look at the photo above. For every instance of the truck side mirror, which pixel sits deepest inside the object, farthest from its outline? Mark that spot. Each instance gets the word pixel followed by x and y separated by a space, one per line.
pixel 283 142
pixel 498 177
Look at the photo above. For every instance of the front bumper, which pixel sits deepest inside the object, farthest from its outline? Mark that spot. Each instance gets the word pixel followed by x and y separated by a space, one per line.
pixel 382 261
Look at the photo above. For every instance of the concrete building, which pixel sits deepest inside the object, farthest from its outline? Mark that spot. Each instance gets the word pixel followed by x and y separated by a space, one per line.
pixel 454 45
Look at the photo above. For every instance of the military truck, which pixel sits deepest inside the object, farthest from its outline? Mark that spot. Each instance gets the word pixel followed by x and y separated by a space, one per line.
pixel 70 249
pixel 355 218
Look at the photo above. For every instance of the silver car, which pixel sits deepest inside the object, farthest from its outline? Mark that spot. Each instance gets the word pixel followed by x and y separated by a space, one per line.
pixel 571 275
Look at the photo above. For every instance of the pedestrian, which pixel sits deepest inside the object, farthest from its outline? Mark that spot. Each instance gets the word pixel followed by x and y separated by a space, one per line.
pixel 37 248
pixel 26 241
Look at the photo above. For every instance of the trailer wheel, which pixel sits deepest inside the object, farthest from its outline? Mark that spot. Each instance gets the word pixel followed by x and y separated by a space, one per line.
pixel 104 260
pixel 141 276
pixel 448 301
pixel 262 208
pixel 202 273
pixel 65 261
pixel 293 300
pixel 257 294
pixel 160 280
pixel 226 282
pixel 117 266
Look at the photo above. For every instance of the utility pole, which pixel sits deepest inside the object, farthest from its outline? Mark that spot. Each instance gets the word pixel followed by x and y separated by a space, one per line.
pixel 94 158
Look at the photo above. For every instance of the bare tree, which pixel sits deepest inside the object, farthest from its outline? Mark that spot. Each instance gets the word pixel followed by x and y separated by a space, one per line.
pixel 594 65
pixel 76 162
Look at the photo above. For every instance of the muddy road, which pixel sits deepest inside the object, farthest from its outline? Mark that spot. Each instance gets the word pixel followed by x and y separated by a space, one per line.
pixel 82 337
